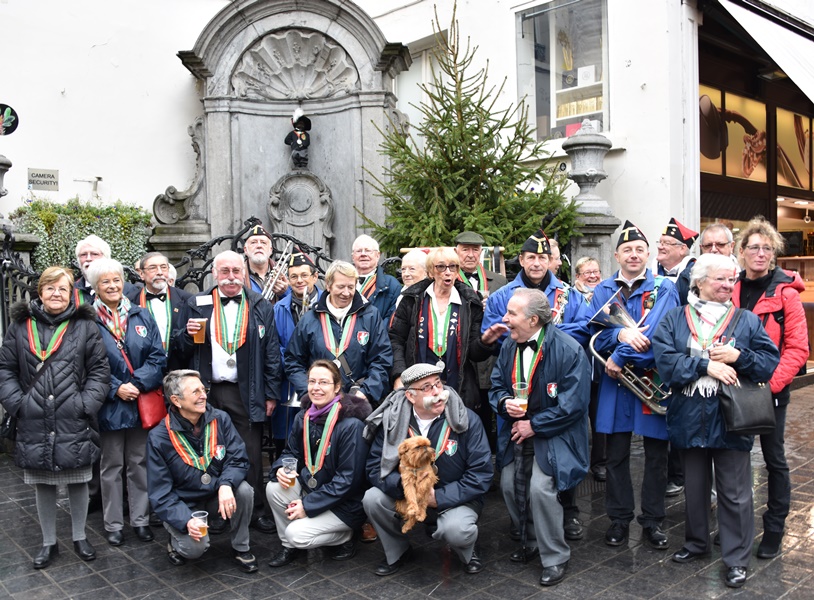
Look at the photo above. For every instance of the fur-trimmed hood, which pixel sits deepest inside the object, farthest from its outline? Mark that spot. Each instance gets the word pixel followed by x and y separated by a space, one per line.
pixel 353 407
pixel 21 311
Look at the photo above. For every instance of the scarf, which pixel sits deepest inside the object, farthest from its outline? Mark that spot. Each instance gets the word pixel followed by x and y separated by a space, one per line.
pixel 709 313
pixel 315 413
pixel 115 322
pixel 539 286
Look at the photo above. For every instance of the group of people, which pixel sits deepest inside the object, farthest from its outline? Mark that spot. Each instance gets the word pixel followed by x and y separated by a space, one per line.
pixel 342 376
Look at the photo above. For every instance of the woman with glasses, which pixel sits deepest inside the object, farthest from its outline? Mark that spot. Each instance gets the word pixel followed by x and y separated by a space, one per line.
pixel 587 276
pixel 697 348
pixel 316 486
pixel 774 296
pixel 438 322
pixel 54 377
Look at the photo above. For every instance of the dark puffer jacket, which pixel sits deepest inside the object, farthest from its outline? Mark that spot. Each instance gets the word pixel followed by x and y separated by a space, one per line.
pixel 56 427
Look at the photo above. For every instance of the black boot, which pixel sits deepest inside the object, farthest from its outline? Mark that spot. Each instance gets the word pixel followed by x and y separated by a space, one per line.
pixel 770 544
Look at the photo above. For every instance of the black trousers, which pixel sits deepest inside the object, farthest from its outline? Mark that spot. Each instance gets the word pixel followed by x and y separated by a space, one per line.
pixel 773 446
pixel 598 443
pixel 226 397
pixel 619 502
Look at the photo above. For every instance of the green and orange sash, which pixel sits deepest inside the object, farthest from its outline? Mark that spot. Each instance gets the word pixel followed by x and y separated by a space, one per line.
pixel 439 339
pixel 517 369
pixel 185 450
pixel 443 438
pixel 369 286
pixel 53 345
pixel 142 302
pixel 241 328
pixel 330 422
pixel 694 321
pixel 481 287
pixel 328 334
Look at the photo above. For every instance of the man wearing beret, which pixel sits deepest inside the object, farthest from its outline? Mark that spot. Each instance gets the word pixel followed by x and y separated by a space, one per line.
pixel 620 413
pixel 425 407
pixel 258 250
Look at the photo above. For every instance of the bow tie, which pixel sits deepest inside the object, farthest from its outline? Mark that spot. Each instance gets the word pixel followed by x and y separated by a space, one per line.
pixel 529 344
pixel 362 280
pixel 224 300
pixel 162 296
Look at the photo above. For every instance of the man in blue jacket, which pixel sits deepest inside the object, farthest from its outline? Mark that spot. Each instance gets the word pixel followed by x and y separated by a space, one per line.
pixel 620 413
pixel 239 360
pixel 548 437
pixel 376 286
pixel 424 406
pixel 196 461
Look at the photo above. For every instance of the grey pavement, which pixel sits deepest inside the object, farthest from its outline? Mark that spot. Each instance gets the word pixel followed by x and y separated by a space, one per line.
pixel 140 570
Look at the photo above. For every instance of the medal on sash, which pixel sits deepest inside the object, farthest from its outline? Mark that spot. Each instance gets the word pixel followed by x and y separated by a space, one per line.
pixel 220 331
pixel 314 465
pixel 694 321
pixel 188 454
pixel 330 340
pixel 53 345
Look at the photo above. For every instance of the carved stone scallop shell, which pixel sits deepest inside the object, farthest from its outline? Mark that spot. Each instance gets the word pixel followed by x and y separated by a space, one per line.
pixel 294 65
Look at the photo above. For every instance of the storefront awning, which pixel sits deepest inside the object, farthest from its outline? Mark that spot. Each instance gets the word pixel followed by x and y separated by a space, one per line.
pixel 793 53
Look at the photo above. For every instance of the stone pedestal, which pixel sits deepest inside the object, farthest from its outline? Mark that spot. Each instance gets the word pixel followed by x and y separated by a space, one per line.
pixel 5 165
pixel 174 240
pixel 597 241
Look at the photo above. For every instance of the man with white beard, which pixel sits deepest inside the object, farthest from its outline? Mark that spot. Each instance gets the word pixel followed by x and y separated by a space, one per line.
pixel 258 250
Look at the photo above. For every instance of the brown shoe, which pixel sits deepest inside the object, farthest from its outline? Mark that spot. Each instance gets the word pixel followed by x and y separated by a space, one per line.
pixel 369 533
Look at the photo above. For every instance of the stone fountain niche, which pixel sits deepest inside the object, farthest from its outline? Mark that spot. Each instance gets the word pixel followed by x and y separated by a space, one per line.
pixel 259 60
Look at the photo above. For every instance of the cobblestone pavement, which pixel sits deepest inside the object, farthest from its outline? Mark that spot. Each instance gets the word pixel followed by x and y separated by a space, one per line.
pixel 141 570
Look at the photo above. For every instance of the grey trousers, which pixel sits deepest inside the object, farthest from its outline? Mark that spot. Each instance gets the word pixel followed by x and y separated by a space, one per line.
pixel 189 548
pixel 736 523
pixel 545 524
pixel 325 529
pixel 457 526
pixel 125 447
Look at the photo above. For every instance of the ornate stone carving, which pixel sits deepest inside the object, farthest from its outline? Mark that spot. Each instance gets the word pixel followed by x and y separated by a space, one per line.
pixel 300 204
pixel 294 64
pixel 173 206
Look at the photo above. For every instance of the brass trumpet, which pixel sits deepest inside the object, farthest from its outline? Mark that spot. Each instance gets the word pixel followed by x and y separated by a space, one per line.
pixel 651 394
pixel 280 266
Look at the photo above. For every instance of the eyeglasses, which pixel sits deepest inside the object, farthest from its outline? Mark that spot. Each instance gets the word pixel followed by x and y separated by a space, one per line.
pixel 364 251
pixel 442 268
pixel 589 273
pixel 300 277
pixel 670 244
pixel 320 382
pixel 711 245
pixel 428 387
pixel 723 280
pixel 156 268
pixel 768 250
pixel 51 290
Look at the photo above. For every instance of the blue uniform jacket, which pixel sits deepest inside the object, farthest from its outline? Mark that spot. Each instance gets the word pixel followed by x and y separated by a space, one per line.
pixel 619 410
pixel 464 469
pixel 258 360
pixel 695 421
pixel 341 480
pixel 561 388
pixel 369 354
pixel 142 343
pixel 385 294
pixel 573 318
pixel 174 487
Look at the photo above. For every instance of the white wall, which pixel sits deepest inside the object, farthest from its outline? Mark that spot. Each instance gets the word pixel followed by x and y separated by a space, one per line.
pixel 100 92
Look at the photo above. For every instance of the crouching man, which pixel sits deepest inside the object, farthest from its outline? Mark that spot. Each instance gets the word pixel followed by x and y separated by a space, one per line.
pixel 197 461
pixel 425 407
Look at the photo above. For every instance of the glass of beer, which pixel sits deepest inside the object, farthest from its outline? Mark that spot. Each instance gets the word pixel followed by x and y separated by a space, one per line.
pixel 203 517
pixel 290 469
pixel 200 335
pixel 521 394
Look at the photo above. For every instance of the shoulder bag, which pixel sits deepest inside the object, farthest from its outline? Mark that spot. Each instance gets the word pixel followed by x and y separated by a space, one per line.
pixel 152 407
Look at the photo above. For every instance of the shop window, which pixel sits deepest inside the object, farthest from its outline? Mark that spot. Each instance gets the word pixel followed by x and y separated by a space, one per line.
pixel 793 150
pixel 562 65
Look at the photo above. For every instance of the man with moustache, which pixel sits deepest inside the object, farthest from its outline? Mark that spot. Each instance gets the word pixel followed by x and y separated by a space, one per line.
pixel 301 297
pixel 546 442
pixel 239 361
pixel 164 302
pixel 376 286
pixel 88 250
pixel 620 413
pixel 258 250
pixel 425 407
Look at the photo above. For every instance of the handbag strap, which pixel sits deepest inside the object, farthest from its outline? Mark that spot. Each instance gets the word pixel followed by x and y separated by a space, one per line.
pixel 734 322
pixel 39 373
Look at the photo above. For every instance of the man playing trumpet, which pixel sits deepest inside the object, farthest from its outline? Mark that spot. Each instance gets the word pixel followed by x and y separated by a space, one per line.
pixel 620 413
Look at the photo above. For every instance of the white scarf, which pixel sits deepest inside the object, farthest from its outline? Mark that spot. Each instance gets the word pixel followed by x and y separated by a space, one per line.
pixel 709 314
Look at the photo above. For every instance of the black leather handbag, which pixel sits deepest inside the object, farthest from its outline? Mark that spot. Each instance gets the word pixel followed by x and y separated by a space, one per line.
pixel 8 428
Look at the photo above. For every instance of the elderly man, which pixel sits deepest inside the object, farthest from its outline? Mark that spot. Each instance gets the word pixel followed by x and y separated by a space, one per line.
pixel 239 359
pixel 88 250
pixel 302 277
pixel 555 262
pixel 620 413
pixel 424 406
pixel 258 250
pixel 413 267
pixel 376 286
pixel 164 302
pixel 715 239
pixel 543 444
pixel 196 461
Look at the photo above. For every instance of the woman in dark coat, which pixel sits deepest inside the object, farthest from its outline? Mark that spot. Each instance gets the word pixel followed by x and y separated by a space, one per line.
pixel 441 304
pixel 320 502
pixel 54 377
pixel 698 347
pixel 137 362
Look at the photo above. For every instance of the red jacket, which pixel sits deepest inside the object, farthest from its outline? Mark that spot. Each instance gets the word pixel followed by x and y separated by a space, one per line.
pixel 783 293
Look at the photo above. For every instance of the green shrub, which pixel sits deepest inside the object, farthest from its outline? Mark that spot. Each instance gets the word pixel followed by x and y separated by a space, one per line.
pixel 59 226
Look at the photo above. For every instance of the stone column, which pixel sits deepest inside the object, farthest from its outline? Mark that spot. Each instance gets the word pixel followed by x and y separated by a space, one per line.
pixel 5 165
pixel 587 149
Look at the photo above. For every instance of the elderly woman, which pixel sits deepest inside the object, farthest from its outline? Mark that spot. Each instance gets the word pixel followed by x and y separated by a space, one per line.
pixel 342 327
pixel 774 296
pixel 439 322
pixel 587 276
pixel 698 347
pixel 137 362
pixel 319 502
pixel 54 377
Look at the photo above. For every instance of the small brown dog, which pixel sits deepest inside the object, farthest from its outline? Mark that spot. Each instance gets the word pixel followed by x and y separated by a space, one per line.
pixel 416 457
